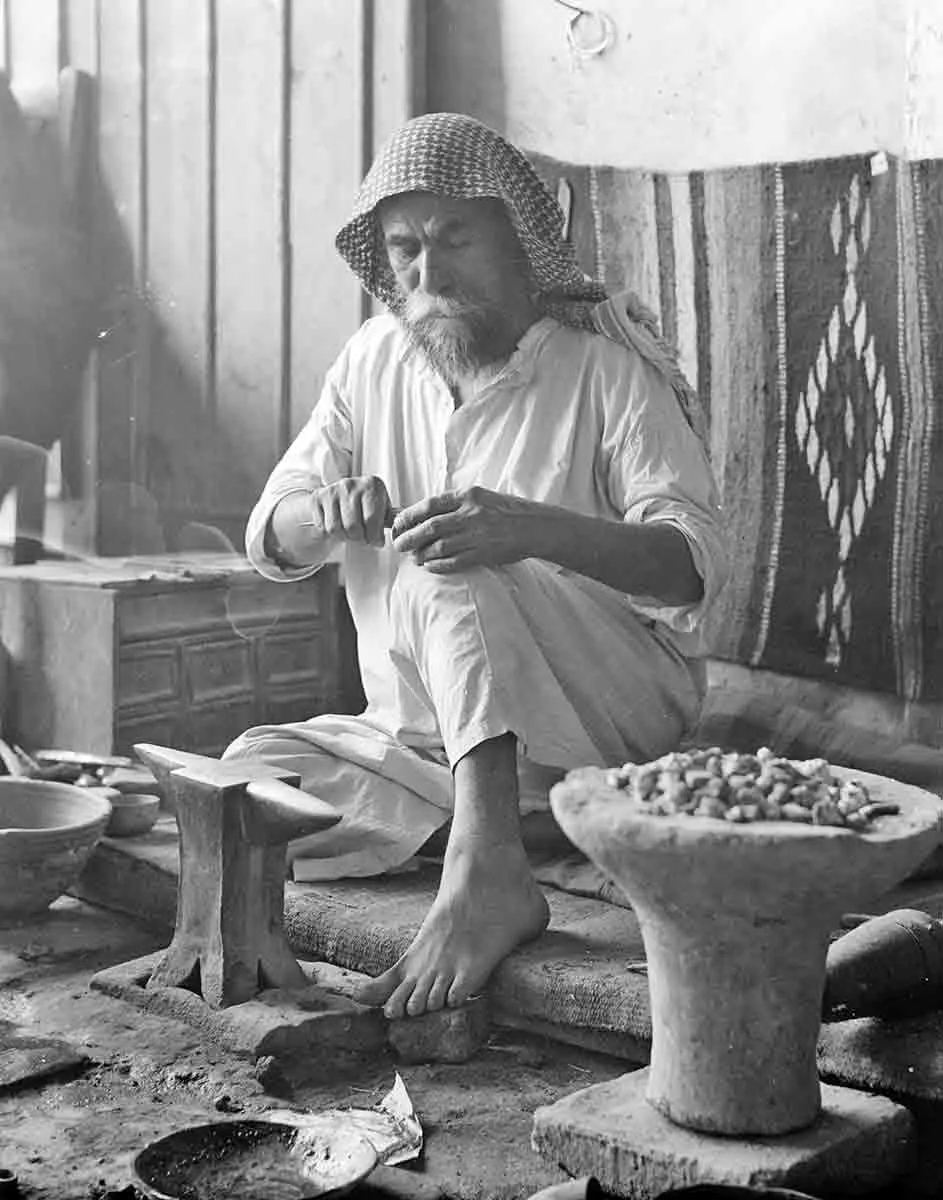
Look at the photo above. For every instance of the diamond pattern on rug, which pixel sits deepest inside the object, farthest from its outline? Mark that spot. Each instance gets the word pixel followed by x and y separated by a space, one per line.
pixel 818 293
pixel 844 423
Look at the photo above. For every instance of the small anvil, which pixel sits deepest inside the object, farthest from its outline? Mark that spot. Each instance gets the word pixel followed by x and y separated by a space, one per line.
pixel 235 820
pixel 229 969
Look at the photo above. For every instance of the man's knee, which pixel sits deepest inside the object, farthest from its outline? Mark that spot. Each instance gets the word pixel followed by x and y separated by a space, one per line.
pixel 426 607
pixel 413 585
pixel 416 585
pixel 420 592
pixel 485 596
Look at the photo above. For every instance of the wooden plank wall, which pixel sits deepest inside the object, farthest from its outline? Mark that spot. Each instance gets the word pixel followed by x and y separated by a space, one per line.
pixel 230 138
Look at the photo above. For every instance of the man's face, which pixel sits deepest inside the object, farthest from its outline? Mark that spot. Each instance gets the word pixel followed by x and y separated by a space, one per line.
pixel 462 275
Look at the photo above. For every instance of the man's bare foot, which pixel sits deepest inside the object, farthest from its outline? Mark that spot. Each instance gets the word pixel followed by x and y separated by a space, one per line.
pixel 487 904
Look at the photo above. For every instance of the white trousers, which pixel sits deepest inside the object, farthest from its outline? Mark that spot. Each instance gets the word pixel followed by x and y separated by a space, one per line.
pixel 560 661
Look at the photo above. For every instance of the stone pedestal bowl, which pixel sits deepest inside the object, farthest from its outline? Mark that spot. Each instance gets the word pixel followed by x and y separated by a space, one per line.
pixel 47 832
pixel 736 920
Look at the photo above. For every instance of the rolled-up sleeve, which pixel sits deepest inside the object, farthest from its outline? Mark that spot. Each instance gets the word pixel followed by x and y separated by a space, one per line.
pixel 661 472
pixel 319 455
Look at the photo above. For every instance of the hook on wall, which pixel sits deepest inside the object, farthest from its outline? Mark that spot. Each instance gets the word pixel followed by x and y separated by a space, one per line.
pixel 589 32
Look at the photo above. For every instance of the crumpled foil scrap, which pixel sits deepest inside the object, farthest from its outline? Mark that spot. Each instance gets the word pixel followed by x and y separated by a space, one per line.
pixel 392 1126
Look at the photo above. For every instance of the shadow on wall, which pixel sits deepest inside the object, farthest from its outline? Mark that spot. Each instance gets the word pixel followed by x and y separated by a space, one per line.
pixel 165 462
pixel 48 302
pixel 140 468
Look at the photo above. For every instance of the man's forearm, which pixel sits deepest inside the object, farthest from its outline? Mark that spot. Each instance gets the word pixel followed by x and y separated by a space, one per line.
pixel 640 559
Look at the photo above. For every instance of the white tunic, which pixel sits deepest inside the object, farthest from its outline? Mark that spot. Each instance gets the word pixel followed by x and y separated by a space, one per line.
pixel 572 419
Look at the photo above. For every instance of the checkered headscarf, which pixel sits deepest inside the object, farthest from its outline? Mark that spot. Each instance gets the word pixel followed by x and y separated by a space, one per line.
pixel 453 155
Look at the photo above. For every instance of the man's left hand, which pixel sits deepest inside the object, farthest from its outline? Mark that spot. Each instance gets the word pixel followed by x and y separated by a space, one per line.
pixel 458 530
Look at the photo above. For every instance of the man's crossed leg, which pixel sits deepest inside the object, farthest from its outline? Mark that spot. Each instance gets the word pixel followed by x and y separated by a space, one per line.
pixel 523 658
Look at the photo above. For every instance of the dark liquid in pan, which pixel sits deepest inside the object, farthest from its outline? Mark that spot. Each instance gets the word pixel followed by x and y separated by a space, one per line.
pixel 251 1164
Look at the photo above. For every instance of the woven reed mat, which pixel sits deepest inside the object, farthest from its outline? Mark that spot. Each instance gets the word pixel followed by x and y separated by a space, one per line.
pixel 572 983
pixel 581 982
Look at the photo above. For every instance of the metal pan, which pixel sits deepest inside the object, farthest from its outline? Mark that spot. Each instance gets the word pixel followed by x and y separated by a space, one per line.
pixel 729 1191
pixel 253 1160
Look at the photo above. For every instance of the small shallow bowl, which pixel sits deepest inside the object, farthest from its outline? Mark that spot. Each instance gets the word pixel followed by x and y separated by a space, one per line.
pixel 253 1160
pixel 132 814
pixel 47 832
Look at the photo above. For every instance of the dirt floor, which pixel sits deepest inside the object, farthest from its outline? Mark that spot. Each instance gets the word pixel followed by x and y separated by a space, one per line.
pixel 73 1136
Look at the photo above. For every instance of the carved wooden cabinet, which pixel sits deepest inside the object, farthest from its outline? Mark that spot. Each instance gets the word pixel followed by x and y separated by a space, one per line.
pixel 182 651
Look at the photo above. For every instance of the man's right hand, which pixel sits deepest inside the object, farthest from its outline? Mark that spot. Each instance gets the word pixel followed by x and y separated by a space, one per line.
pixel 357 510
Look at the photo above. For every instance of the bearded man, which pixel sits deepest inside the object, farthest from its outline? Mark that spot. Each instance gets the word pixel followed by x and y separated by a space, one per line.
pixel 554 544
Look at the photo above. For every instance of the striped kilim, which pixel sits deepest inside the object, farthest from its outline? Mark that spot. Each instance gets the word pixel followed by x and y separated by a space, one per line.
pixel 805 301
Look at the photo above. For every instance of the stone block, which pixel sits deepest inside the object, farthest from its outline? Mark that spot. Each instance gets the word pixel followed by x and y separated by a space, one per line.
pixel 450 1035
pixel 323 1019
pixel 278 1023
pixel 858 1144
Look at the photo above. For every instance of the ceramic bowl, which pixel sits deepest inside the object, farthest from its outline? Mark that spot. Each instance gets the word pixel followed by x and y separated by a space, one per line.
pixel 47 831
pixel 132 814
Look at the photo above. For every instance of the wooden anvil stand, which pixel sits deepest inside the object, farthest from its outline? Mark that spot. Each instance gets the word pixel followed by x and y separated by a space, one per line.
pixel 229 969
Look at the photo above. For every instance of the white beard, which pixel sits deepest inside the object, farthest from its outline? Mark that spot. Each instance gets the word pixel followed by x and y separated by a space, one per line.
pixel 459 337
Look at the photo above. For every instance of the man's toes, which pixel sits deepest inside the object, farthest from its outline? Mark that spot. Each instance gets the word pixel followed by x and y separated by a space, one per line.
pixel 438 993
pixel 460 991
pixel 396 1005
pixel 418 1002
